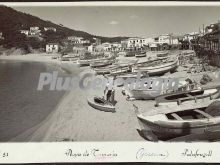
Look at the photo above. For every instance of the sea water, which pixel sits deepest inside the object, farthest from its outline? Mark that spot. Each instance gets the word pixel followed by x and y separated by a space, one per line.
pixel 22 106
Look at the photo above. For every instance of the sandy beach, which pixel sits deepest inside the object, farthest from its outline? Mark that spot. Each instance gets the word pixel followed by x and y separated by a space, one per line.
pixel 74 120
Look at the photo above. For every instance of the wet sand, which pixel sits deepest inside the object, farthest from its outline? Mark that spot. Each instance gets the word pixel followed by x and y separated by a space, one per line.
pixel 75 120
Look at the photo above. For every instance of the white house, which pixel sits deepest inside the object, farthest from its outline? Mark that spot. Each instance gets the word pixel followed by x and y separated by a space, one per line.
pixel 75 40
pixel 148 41
pixel 153 46
pixel 91 48
pixel 26 32
pixel 165 38
pixel 1 36
pixel 35 28
pixel 116 46
pixel 79 49
pixel 106 46
pixel 174 40
pixel 190 36
pixel 97 41
pixel 124 44
pixel 35 31
pixel 136 42
pixel 85 41
pixel 52 48
pixel 50 29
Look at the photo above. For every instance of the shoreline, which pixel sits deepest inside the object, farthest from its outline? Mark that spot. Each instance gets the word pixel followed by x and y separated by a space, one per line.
pixel 37 132
pixel 74 120
pixel 41 57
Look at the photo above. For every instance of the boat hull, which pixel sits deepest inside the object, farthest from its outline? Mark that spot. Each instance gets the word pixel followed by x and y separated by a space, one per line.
pixel 139 55
pixel 106 108
pixel 165 130
pixel 83 62
pixel 158 70
pixel 165 99
pixel 119 70
pixel 89 61
pixel 130 54
pixel 100 64
pixel 177 121
pixel 149 94
pixel 142 94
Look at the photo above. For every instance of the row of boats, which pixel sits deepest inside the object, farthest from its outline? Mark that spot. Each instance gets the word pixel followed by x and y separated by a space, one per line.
pixel 187 113
pixel 188 116
pixel 112 66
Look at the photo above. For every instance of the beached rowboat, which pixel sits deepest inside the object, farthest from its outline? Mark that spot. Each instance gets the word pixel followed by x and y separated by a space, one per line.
pixel 181 96
pixel 165 123
pixel 103 70
pixel 116 68
pixel 101 104
pixel 141 54
pixel 162 54
pixel 157 67
pixel 87 62
pixel 96 64
pixel 120 69
pixel 149 94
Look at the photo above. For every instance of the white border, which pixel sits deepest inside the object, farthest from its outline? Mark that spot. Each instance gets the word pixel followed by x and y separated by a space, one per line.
pixel 123 152
pixel 112 3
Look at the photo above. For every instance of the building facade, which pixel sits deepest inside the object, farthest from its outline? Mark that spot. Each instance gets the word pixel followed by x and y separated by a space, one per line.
pixel 165 38
pixel 35 31
pixel 208 46
pixel 97 41
pixel 32 32
pixel 148 41
pixel 1 36
pixel 136 42
pixel 79 49
pixel 52 48
pixel 50 29
pixel 78 40
pixel 26 32
pixel 124 44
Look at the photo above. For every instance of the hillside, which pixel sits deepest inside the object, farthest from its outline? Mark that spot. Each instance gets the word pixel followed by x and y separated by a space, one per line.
pixel 13 21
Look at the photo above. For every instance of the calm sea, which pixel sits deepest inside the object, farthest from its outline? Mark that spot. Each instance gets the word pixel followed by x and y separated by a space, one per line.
pixel 21 105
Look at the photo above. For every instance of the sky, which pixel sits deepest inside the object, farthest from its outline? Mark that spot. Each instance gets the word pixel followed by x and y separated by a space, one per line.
pixel 130 21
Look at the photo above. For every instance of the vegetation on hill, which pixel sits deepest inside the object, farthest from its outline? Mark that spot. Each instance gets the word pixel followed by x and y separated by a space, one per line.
pixel 13 21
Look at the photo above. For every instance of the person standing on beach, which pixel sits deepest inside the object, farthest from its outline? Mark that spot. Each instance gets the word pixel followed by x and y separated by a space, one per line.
pixel 109 91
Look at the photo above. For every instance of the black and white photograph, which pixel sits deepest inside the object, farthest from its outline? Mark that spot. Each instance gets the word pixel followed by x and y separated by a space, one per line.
pixel 109 73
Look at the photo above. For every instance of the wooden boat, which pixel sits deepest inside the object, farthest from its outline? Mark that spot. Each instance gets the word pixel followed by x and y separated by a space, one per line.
pixel 186 95
pixel 103 70
pixel 101 104
pixel 157 67
pixel 130 52
pixel 103 63
pixel 130 75
pixel 141 54
pixel 165 123
pixel 116 68
pixel 150 94
pixel 162 54
pixel 83 62
pixel 120 69
pixel 87 62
